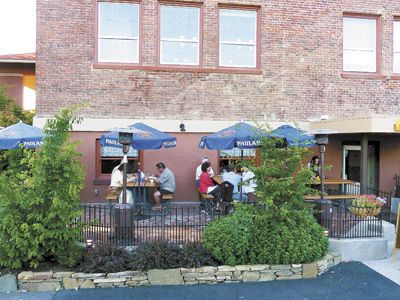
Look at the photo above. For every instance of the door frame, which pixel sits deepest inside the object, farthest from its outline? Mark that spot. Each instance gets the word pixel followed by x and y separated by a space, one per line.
pixel 345 149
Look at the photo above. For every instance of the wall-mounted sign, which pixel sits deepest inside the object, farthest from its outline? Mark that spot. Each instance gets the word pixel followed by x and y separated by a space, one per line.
pixel 117 152
pixel 397 125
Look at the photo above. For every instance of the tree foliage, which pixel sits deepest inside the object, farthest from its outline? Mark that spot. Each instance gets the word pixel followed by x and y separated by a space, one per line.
pixel 36 216
pixel 284 233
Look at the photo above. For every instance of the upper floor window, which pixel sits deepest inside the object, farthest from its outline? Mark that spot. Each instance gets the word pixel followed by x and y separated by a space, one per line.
pixel 118 32
pixel 396 47
pixel 360 44
pixel 238 38
pixel 179 35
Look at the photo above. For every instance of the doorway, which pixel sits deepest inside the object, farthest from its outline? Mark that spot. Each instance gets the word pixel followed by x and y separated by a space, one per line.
pixel 351 168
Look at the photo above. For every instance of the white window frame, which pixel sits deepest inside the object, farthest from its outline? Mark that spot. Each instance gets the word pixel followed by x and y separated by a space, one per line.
pixel 396 21
pixel 124 38
pixel 374 50
pixel 238 43
pixel 197 63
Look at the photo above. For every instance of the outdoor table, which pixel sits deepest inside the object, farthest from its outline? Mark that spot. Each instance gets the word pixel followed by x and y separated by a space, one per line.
pixel 144 186
pixel 217 179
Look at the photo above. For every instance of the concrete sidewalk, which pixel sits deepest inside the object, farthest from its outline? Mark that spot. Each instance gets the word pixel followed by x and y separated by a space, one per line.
pixel 351 280
pixel 390 268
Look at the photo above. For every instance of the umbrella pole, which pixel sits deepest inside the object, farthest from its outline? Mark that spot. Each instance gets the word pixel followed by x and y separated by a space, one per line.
pixel 241 175
pixel 125 174
pixel 139 180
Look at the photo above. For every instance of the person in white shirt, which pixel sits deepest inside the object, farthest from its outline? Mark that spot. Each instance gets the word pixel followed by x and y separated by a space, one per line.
pixel 198 171
pixel 117 176
pixel 234 178
pixel 249 182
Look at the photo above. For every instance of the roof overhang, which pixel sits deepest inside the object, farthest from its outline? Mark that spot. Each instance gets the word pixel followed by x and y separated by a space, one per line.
pixel 16 61
pixel 367 124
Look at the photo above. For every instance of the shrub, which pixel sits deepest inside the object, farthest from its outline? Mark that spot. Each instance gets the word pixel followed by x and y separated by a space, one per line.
pixel 106 259
pixel 156 255
pixel 195 255
pixel 296 238
pixel 36 217
pixel 229 239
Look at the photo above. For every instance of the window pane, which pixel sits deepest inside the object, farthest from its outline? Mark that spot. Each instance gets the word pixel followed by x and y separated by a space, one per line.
pixel 361 61
pixel 107 151
pixel 236 152
pixel 118 25
pixel 179 53
pixel 116 50
pixel 396 47
pixel 238 26
pixel 178 22
pixel 237 56
pixel 359 44
pixel 107 166
pixel 396 63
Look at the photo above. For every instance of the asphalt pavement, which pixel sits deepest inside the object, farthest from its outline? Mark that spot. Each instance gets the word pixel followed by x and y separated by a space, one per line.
pixel 346 281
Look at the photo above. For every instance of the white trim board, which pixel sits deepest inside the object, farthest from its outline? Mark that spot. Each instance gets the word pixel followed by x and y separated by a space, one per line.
pixel 191 126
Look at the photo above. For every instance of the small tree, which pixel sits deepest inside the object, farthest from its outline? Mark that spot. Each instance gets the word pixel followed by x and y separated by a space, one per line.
pixel 36 218
pixel 284 233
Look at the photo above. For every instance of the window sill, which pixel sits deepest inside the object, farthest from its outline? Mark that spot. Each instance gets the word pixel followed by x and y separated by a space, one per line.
pixel 189 69
pixel 362 75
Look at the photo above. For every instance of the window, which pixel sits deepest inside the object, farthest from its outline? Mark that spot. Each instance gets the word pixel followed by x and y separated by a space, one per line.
pixel 109 157
pixel 237 38
pixel 234 156
pixel 360 44
pixel 179 35
pixel 396 47
pixel 118 32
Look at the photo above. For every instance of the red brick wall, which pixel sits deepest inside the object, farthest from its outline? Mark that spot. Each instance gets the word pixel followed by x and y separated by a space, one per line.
pixel 301 63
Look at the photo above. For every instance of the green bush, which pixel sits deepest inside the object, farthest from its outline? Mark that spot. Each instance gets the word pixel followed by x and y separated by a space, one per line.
pixel 229 239
pixel 36 216
pixel 195 255
pixel 285 233
pixel 297 238
pixel 106 259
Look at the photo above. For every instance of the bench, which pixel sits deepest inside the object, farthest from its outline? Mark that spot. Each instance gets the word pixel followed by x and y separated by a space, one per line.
pixel 331 197
pixel 112 195
pixel 167 197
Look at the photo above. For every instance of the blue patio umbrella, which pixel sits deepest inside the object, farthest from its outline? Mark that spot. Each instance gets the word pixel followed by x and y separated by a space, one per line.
pixel 13 136
pixel 241 135
pixel 294 136
pixel 144 138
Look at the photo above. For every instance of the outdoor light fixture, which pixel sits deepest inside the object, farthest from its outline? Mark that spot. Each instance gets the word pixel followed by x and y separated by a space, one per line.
pixel 182 127
pixel 125 138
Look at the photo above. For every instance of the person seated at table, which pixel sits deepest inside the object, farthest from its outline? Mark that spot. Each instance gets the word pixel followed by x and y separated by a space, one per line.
pixel 234 178
pixel 117 177
pixel 166 184
pixel 207 185
pixel 198 171
pixel 248 182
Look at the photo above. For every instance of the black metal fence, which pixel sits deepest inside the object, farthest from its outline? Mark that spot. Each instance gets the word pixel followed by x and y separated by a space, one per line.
pixel 131 226
pixel 336 216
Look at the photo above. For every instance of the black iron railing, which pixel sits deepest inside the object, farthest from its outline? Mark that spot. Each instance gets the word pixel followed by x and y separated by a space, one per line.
pixel 341 223
pixel 131 226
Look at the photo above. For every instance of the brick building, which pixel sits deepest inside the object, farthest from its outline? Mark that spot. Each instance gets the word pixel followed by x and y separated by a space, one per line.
pixel 208 64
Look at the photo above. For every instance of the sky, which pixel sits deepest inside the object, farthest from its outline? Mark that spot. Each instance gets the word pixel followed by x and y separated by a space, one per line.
pixel 17 26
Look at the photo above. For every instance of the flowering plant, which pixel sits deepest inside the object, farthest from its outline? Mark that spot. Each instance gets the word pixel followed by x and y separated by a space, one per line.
pixel 368 201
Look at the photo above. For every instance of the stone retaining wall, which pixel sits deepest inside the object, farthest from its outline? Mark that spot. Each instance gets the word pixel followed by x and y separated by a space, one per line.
pixel 52 281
